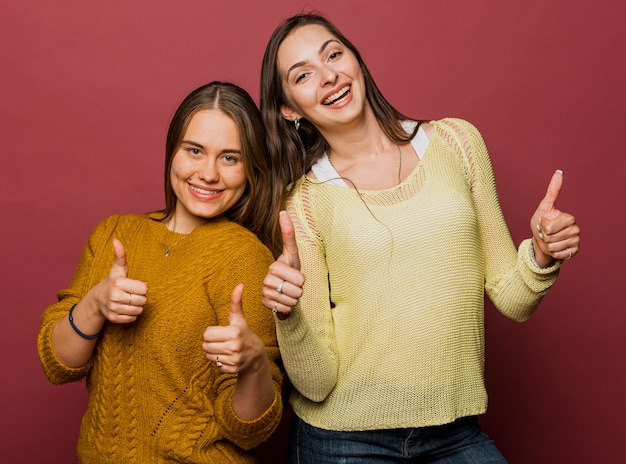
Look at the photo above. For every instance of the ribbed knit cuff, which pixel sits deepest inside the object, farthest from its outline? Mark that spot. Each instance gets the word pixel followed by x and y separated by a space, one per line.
pixel 249 434
pixel 539 279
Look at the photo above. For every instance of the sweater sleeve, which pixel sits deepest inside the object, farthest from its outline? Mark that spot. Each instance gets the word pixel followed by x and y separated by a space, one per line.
pixel 513 282
pixel 99 240
pixel 248 266
pixel 307 337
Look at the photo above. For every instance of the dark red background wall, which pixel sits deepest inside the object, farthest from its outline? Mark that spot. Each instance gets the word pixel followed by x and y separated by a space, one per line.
pixel 87 90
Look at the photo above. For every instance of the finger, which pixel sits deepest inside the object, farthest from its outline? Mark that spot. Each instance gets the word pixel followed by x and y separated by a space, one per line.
pixel 281 309
pixel 271 300
pixel 561 226
pixel 136 287
pixel 135 299
pixel 290 248
pixel 554 188
pixel 236 308
pixel 119 264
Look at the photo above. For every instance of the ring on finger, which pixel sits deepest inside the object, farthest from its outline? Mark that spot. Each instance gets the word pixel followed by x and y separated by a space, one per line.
pixel 569 253
pixel 217 361
pixel 274 310
pixel 279 289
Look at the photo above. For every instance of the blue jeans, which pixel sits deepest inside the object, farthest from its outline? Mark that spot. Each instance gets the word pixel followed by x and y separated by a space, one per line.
pixel 460 442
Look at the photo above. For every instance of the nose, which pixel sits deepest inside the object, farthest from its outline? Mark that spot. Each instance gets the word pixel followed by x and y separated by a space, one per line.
pixel 209 171
pixel 329 75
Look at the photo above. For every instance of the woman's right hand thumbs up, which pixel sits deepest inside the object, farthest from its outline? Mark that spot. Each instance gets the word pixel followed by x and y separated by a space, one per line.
pixel 282 286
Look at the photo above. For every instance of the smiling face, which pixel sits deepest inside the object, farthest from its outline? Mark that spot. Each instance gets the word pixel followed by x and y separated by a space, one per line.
pixel 207 173
pixel 321 78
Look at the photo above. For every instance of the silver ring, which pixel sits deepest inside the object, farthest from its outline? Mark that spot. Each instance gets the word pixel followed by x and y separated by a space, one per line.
pixel 279 289
pixel 569 253
pixel 274 310
pixel 217 361
pixel 130 299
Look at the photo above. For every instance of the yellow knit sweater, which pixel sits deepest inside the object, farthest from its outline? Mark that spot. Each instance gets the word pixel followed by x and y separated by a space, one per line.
pixel 389 330
pixel 153 395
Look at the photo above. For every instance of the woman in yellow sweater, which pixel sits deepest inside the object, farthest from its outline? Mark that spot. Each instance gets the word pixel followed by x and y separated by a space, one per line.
pixel 180 358
pixel 393 234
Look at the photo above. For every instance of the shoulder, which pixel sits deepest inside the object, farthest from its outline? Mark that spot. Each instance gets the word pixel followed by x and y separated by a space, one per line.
pixel 237 240
pixel 461 136
pixel 461 130
pixel 123 219
pixel 119 226
pixel 118 223
pixel 297 185
pixel 457 125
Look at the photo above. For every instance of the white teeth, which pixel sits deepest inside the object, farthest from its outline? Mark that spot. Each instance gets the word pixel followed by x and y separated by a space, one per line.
pixel 337 95
pixel 202 191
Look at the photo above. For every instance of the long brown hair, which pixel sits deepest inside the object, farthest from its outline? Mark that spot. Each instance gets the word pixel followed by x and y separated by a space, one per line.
pixel 254 210
pixel 293 151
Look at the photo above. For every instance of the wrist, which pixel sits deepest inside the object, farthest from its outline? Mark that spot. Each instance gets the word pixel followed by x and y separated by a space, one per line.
pixel 538 257
pixel 259 363
pixel 87 336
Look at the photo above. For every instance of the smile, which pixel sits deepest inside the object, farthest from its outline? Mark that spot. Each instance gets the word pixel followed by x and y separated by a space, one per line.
pixel 337 95
pixel 203 191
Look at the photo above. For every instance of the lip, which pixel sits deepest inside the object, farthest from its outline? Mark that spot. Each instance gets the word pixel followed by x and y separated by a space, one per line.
pixel 204 193
pixel 344 89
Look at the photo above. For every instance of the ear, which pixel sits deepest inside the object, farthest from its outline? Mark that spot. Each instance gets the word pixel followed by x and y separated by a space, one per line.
pixel 288 113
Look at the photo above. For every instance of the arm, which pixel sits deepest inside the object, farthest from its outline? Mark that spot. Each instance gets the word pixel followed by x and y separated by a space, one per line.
pixel 306 337
pixel 237 350
pixel 117 299
pixel 57 314
pixel 65 355
pixel 513 281
pixel 248 385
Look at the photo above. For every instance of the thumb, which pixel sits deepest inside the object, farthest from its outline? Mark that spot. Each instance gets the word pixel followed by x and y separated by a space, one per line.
pixel 290 248
pixel 236 309
pixel 119 265
pixel 547 204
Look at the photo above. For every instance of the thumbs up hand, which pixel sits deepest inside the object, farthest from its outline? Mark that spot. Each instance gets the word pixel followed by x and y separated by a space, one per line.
pixel 234 348
pixel 282 286
pixel 557 236
pixel 120 299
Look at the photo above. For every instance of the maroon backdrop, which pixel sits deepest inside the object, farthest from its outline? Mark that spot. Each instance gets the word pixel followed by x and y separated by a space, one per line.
pixel 87 91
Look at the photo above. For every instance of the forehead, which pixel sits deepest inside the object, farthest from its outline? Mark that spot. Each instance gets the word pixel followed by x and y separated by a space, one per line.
pixel 301 43
pixel 212 127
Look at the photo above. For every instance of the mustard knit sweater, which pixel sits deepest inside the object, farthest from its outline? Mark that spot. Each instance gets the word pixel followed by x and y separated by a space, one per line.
pixel 389 330
pixel 153 395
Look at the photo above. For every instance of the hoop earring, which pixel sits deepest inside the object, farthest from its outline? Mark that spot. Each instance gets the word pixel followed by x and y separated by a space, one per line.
pixel 296 123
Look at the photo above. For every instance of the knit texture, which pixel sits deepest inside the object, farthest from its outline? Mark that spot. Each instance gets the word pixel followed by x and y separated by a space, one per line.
pixel 153 395
pixel 406 270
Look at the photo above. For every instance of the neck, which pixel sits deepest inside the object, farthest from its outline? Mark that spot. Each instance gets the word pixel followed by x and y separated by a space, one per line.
pixel 173 224
pixel 361 138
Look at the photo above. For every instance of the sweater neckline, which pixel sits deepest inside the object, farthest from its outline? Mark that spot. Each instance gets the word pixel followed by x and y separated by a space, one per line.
pixel 333 178
pixel 398 193
pixel 171 240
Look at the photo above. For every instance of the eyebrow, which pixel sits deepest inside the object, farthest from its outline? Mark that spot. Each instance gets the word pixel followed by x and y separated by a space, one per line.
pixel 198 145
pixel 321 50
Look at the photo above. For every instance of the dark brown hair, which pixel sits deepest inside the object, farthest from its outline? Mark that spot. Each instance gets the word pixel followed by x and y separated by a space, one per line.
pixel 292 151
pixel 254 209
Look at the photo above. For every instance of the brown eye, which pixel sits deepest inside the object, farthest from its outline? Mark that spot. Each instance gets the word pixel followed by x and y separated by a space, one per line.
pixel 300 76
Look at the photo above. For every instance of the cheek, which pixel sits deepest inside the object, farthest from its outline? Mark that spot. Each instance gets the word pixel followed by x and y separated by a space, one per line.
pixel 236 180
pixel 179 170
pixel 307 95
pixel 298 98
